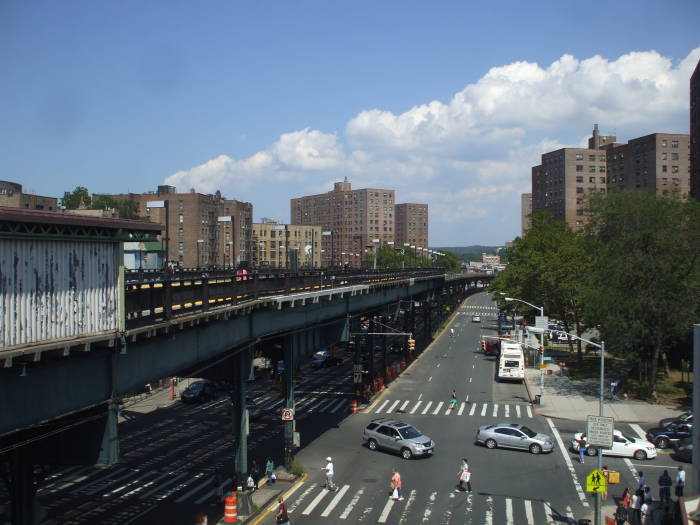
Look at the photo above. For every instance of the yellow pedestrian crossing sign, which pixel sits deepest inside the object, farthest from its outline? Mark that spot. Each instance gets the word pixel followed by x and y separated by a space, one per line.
pixel 595 482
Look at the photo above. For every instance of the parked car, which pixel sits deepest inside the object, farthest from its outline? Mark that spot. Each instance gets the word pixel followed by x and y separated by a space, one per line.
pixel 397 436
pixel 513 435
pixel 684 449
pixel 663 437
pixel 476 318
pixel 686 417
pixel 625 446
pixel 323 361
pixel 198 392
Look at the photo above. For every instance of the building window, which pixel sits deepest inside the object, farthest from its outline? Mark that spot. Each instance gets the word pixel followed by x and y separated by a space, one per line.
pixel 674 169
pixel 601 169
pixel 579 224
pixel 591 180
pixel 579 201
pixel 579 178
pixel 664 156
pixel 180 246
pixel 664 181
pixel 181 218
pixel 591 169
pixel 579 167
pixel 591 158
pixel 664 143
pixel 674 143
pixel 181 205
pixel 579 212
pixel 664 168
pixel 579 189
pixel 579 156
pixel 674 156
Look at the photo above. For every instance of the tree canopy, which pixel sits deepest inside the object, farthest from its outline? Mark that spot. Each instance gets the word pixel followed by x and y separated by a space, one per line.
pixel 80 196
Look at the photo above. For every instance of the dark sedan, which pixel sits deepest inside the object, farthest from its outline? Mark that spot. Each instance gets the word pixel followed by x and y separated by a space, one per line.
pixel 686 417
pixel 198 392
pixel 663 437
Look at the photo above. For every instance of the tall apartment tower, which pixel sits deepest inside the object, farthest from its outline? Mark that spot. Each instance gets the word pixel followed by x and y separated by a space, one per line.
pixel 411 225
pixel 561 183
pixel 202 230
pixel 657 162
pixel 695 133
pixel 351 220
pixel 525 212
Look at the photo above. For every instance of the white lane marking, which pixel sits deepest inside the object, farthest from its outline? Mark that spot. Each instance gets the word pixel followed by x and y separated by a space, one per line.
pixel 567 460
pixel 488 517
pixel 529 411
pixel 409 501
pixel 405 404
pixel 301 497
pixel 638 430
pixel 328 405
pixel 473 366
pixel 509 511
pixel 427 407
pixel 438 365
pixel 430 379
pixel 507 407
pixel 471 412
pixel 528 511
pixel 495 409
pixel 548 512
pixel 386 510
pixel 311 506
pixel 629 464
pixel 570 513
pixel 517 410
pixel 461 408
pixel 413 410
pixel 429 508
pixel 164 485
pixel 420 396
pixel 341 402
pixel 393 406
pixel 437 409
pixel 335 501
pixel 353 502
pixel 483 410
pixel 470 379
pixel 386 402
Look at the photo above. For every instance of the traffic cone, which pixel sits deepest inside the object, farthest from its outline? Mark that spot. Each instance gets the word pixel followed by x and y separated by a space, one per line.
pixel 231 508
pixel 353 406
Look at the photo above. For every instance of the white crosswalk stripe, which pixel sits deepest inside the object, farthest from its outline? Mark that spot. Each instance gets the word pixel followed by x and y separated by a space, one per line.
pixel 435 408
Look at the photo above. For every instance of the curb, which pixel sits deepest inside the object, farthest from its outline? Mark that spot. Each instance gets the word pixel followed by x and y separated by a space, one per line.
pixel 263 512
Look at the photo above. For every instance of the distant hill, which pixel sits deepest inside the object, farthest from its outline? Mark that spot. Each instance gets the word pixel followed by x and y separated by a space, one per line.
pixel 469 253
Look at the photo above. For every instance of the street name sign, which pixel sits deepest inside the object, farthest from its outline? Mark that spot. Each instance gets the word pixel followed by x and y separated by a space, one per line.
pixel 599 431
pixel 596 482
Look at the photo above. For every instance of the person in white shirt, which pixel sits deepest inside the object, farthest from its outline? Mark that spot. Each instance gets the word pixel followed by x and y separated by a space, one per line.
pixel 680 482
pixel 330 485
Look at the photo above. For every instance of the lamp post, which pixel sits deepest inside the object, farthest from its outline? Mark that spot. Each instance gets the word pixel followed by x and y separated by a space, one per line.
pixel 601 405
pixel 541 309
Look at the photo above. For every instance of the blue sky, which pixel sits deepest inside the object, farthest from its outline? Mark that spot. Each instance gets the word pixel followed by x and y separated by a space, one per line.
pixel 448 103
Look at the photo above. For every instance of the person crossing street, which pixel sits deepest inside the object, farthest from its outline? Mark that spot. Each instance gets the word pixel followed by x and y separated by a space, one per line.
pixel 453 399
pixel 465 474
pixel 328 469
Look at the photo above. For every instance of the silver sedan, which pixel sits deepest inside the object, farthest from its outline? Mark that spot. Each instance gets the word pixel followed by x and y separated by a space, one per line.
pixel 512 435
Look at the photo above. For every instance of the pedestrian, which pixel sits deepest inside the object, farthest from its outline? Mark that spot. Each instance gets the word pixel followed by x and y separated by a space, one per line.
pixel 581 449
pixel 606 475
pixel 395 485
pixel 453 399
pixel 464 476
pixel 635 507
pixel 620 514
pixel 648 496
pixel 250 483
pixel 665 483
pixel 282 514
pixel 642 482
pixel 255 472
pixel 680 482
pixel 270 470
pixel 645 514
pixel 626 497
pixel 613 390
pixel 330 485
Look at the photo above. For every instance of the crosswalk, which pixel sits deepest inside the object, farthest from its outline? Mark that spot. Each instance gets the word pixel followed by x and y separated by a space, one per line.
pixel 442 408
pixel 366 504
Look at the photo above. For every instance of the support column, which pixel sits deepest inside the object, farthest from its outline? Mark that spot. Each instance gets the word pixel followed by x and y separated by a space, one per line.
pixel 291 344
pixel 370 341
pixel 109 449
pixel 242 363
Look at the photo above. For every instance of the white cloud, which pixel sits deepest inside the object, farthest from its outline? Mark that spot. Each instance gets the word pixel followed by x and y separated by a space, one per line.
pixel 469 158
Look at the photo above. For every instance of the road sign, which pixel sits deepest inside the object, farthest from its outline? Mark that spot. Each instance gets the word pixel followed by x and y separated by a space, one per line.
pixel 599 431
pixel 547 358
pixel 357 377
pixel 595 482
pixel 542 321
pixel 287 414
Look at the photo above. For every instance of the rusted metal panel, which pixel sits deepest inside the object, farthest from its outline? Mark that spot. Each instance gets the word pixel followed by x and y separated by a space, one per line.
pixel 56 289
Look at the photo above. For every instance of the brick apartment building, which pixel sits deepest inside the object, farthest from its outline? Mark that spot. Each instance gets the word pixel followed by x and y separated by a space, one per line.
pixel 202 230
pixel 566 177
pixel 11 196
pixel 411 225
pixel 290 246
pixel 695 133
pixel 351 220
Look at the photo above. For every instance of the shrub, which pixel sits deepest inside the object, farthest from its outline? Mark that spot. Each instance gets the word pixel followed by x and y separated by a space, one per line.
pixel 297 468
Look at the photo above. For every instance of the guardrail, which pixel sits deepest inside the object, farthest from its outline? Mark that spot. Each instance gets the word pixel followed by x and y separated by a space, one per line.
pixel 156 296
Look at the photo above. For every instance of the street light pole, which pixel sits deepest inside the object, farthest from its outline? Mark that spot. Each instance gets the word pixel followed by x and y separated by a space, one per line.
pixel 541 309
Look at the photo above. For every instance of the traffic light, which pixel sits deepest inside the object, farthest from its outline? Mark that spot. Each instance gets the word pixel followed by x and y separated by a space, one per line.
pixel 411 345
pixel 483 345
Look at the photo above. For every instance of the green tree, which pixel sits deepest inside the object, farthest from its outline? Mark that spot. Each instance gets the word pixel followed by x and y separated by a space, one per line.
pixel 74 199
pixel 545 269
pixel 126 208
pixel 643 288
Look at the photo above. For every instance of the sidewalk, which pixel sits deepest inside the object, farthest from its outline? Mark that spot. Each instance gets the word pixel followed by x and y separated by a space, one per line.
pixel 574 399
pixel 264 500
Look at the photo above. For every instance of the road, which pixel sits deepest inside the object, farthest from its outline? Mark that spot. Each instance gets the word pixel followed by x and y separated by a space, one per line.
pixel 509 487
pixel 170 456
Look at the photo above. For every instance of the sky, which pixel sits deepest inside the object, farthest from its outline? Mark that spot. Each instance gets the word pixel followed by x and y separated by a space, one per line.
pixel 449 103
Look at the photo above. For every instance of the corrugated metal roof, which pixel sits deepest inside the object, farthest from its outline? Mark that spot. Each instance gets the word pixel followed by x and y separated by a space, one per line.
pixel 56 217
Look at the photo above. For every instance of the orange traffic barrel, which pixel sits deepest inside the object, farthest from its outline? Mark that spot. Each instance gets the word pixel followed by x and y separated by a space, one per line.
pixel 201 519
pixel 353 406
pixel 231 508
